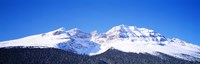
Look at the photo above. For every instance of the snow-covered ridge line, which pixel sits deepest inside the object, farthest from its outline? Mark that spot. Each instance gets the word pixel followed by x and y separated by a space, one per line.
pixel 26 47
pixel 122 37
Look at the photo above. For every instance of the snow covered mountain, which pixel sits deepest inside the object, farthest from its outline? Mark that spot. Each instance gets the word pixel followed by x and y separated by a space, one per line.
pixel 122 37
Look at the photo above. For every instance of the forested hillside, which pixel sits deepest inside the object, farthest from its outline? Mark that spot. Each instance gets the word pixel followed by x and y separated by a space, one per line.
pixel 18 55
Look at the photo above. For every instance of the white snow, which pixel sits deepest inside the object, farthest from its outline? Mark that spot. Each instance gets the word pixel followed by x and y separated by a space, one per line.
pixel 122 37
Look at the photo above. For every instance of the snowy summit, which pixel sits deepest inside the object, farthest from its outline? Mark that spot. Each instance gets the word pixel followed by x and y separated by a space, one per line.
pixel 123 38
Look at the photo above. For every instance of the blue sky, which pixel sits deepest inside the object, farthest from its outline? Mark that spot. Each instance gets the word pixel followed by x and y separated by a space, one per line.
pixel 171 18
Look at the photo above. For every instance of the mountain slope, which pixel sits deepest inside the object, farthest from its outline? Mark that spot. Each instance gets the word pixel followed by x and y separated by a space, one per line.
pixel 123 38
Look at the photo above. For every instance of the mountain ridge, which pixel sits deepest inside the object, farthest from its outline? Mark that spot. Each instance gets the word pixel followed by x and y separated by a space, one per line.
pixel 122 37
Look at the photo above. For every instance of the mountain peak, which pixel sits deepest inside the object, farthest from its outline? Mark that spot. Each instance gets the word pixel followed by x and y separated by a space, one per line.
pixel 121 37
pixel 74 30
pixel 121 25
pixel 58 31
pixel 119 31
pixel 61 29
pixel 134 33
pixel 119 28
pixel 77 33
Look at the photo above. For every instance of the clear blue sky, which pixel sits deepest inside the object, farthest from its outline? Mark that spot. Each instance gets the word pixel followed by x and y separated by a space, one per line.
pixel 171 18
